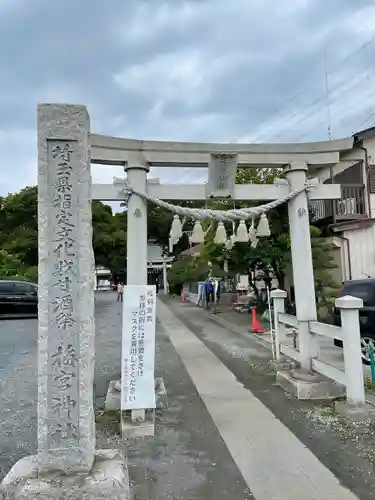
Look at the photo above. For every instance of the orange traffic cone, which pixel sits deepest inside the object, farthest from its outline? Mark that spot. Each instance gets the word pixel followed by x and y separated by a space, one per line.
pixel 255 325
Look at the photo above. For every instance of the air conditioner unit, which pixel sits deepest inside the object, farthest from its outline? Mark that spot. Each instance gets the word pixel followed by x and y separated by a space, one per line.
pixel 346 206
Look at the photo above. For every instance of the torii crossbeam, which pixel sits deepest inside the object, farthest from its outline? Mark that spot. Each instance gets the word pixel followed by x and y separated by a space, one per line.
pixel 138 157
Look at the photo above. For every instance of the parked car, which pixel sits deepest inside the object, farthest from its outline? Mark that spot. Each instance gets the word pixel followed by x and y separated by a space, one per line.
pixel 365 290
pixel 18 299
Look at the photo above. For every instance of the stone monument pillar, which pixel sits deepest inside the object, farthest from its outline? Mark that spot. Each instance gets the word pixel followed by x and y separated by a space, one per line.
pixel 66 428
pixel 67 466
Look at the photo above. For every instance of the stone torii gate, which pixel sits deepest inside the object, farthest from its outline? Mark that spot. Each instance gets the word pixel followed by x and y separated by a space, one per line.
pixel 138 156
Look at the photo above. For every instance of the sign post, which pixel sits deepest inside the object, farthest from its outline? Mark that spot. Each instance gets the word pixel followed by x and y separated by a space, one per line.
pixel 138 348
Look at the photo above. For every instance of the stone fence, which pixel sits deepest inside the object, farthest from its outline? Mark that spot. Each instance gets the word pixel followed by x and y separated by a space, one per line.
pixel 307 353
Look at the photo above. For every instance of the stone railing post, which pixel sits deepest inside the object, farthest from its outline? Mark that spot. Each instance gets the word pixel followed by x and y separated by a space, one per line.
pixel 355 391
pixel 278 297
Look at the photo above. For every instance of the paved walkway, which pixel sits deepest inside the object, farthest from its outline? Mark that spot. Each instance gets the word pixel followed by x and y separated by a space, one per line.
pixel 227 433
pixel 187 458
pixel 272 461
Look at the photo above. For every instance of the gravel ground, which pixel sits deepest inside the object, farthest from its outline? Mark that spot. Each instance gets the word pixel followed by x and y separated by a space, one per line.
pixel 18 390
pixel 346 448
pixel 187 457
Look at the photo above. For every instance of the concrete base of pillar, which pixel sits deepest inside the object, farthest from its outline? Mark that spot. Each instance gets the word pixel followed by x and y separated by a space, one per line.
pixel 108 479
pixel 354 413
pixel 113 398
pixel 306 385
pixel 282 365
pixel 130 429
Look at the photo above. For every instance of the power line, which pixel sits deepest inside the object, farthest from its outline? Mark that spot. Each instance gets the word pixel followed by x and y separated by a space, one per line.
pixel 346 113
pixel 337 65
pixel 327 97
pixel 365 121
pixel 306 115
pixel 308 85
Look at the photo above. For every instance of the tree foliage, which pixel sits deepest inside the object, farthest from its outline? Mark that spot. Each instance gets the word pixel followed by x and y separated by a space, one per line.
pixel 19 235
pixel 109 237
pixel 272 256
pixel 191 270
pixel 326 289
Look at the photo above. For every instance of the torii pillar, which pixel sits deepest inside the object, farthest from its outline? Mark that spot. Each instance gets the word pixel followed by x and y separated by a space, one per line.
pixel 303 273
pixel 136 241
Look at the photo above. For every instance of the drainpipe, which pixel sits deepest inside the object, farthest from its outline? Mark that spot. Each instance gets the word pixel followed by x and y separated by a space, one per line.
pixel 367 170
pixel 349 256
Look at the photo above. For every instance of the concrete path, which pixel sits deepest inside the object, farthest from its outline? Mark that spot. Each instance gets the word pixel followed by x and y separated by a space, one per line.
pixel 187 458
pixel 273 462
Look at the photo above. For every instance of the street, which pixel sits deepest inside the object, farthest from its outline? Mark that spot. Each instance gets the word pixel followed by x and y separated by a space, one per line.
pixel 18 390
pixel 187 455
pixel 18 376
pixel 192 454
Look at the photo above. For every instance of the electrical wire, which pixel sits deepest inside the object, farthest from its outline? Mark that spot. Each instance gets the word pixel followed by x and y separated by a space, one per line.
pixel 339 63
pixel 347 113
pixel 306 115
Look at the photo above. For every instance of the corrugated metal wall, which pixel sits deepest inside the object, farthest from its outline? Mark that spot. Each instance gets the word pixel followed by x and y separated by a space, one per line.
pixel 362 252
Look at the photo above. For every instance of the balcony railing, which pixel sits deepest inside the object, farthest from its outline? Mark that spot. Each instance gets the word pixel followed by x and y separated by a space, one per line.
pixel 350 206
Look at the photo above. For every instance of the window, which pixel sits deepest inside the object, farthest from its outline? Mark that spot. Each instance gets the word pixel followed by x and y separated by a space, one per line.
pixel 6 288
pixel 364 292
pixel 25 288
pixel 371 178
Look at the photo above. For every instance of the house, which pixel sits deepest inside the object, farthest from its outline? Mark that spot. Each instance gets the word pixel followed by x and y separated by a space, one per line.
pixel 351 218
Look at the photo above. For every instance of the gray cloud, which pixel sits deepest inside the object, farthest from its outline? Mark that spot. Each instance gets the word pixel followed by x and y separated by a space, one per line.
pixel 204 70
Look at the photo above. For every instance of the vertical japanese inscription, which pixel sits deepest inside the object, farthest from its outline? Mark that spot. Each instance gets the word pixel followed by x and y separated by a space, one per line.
pixel 135 365
pixel 63 346
pixel 222 174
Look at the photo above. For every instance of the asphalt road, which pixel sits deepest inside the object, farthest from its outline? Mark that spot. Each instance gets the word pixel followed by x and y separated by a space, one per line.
pixel 180 452
pixel 18 377
pixel 186 457
pixel 18 390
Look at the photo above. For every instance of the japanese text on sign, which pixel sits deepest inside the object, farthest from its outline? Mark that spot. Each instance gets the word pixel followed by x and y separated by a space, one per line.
pixel 63 356
pixel 138 347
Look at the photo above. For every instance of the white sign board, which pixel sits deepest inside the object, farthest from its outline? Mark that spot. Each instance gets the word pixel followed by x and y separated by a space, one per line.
pixel 138 347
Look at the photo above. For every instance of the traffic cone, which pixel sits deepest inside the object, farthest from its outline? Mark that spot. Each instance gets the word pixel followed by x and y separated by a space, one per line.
pixel 255 325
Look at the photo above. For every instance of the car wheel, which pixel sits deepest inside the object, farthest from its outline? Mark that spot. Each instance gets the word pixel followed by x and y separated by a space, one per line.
pixel 366 341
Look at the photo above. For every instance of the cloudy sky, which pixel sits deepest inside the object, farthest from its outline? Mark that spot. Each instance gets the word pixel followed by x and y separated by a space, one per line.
pixel 202 70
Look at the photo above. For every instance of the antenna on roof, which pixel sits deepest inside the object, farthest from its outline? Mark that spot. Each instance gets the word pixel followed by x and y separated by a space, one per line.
pixel 327 97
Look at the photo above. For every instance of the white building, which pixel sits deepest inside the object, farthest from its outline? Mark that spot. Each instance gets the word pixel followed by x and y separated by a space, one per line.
pixel 352 218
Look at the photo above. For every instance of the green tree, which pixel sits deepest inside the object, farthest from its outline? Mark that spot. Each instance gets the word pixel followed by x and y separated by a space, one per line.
pixel 190 269
pixel 272 256
pixel 109 238
pixel 326 289
pixel 19 225
pixel 19 235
